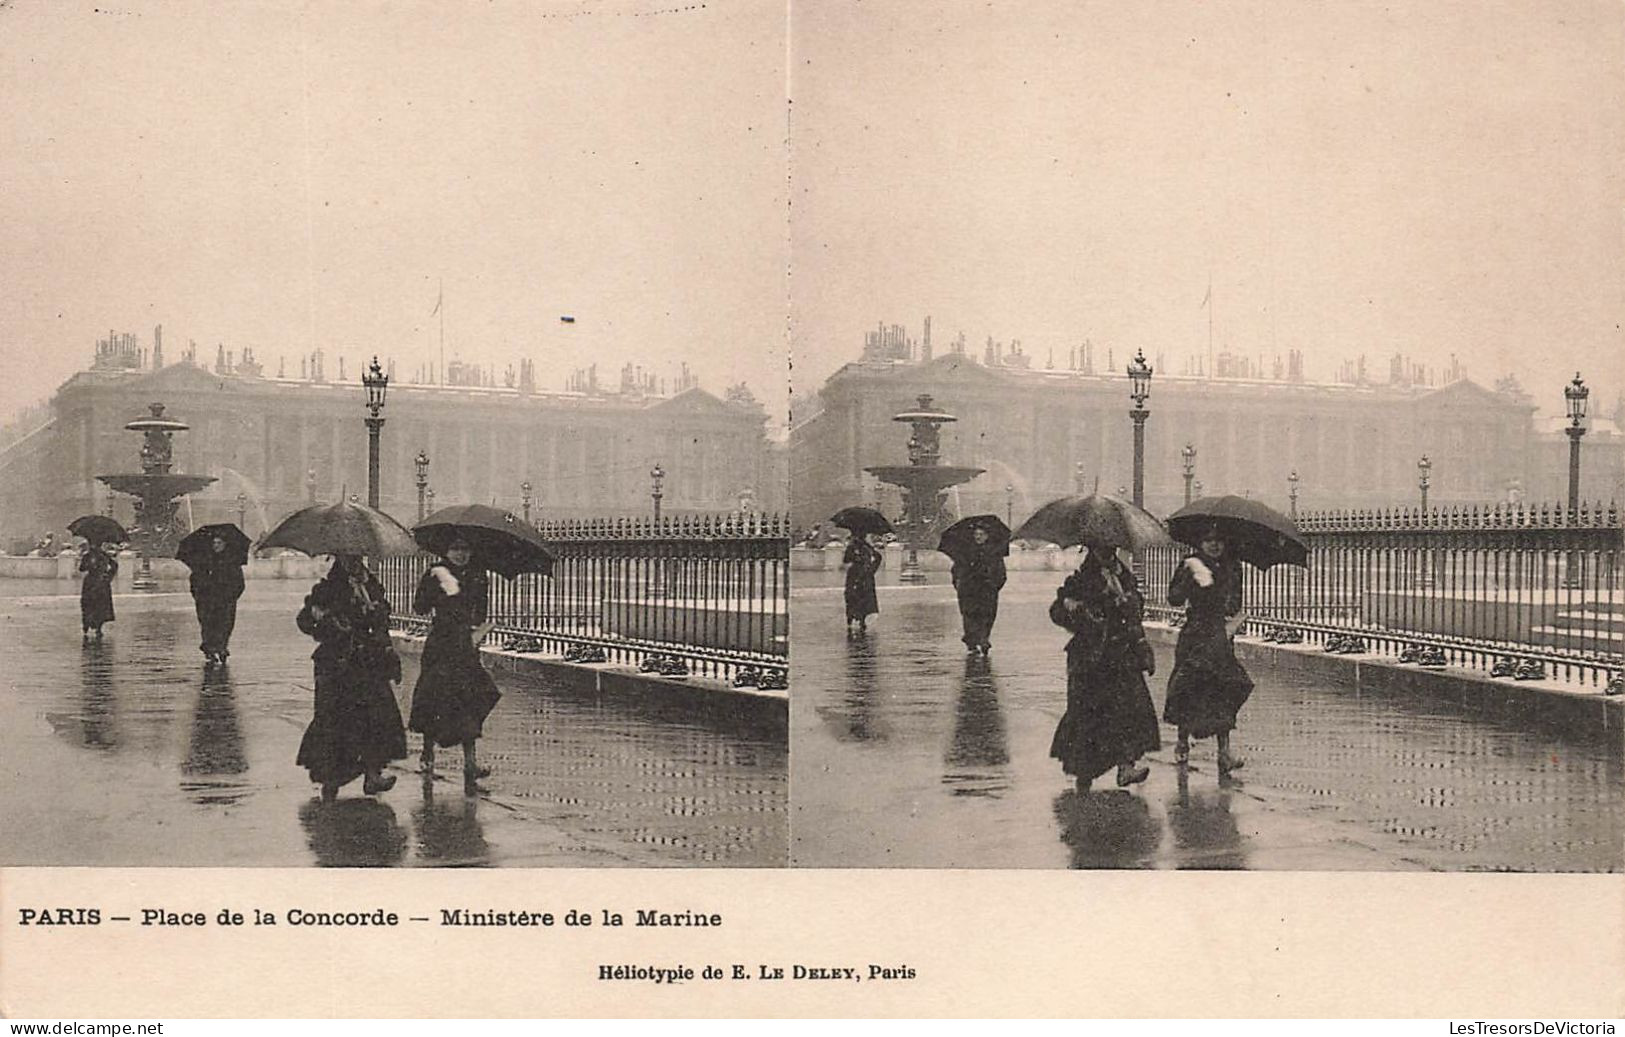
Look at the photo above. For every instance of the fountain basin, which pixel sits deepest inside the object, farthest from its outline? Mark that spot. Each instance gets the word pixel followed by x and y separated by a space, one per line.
pixel 925 478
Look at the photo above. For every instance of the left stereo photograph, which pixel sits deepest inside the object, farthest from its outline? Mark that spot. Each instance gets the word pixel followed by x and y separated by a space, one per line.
pixel 394 468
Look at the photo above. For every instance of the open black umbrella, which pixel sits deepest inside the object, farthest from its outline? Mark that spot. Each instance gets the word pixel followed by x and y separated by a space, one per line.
pixel 342 528
pixel 198 545
pixel 959 540
pixel 861 521
pixel 499 540
pixel 98 529
pixel 1256 533
pixel 1100 519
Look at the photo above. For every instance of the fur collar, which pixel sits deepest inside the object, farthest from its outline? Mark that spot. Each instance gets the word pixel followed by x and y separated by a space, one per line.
pixel 1199 570
pixel 448 582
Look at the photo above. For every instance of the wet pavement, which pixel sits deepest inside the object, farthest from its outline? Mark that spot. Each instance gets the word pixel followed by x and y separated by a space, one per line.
pixel 128 753
pixel 909 754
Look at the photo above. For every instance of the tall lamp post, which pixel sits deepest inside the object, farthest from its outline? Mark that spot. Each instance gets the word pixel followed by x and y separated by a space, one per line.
pixel 1009 504
pixel 1139 376
pixel 1188 456
pixel 524 497
pixel 242 510
pixel 657 477
pixel 1077 478
pixel 377 383
pixel 1575 395
pixel 1423 467
pixel 310 486
pixel 1292 493
pixel 422 463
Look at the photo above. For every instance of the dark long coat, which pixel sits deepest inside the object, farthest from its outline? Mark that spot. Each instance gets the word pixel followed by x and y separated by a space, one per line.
pixel 216 585
pixel 1208 685
pixel 1110 718
pixel 862 561
pixel 978 579
pixel 96 592
pixel 454 694
pixel 357 725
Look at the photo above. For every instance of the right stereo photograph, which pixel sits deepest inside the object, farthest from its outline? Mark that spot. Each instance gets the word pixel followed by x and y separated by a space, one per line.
pixel 1205 437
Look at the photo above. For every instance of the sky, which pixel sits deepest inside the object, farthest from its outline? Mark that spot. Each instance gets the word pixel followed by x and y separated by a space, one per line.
pixel 1428 178
pixel 293 176
pixel 1424 178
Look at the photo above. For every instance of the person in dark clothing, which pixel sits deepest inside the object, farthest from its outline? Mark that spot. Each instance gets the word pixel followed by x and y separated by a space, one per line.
pixel 454 694
pixel 1110 719
pixel 978 578
pixel 217 583
pixel 96 592
pixel 356 729
pixel 1208 685
pixel 862 561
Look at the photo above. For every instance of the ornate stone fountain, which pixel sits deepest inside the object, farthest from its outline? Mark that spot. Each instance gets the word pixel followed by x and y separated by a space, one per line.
pixel 157 492
pixel 924 481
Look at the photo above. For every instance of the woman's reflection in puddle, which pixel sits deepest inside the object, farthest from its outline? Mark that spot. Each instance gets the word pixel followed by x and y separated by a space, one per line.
pixel 980 746
pixel 1205 831
pixel 1108 829
pixel 852 716
pixel 97 727
pixel 449 830
pixel 353 833
pixel 216 747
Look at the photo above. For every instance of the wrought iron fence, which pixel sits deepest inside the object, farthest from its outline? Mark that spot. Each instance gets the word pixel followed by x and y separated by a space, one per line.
pixel 710 590
pixel 1539 582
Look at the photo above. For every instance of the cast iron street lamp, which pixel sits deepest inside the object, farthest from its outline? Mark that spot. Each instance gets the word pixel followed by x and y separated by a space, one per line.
pixel 524 498
pixel 657 476
pixel 1077 478
pixel 1423 467
pixel 242 509
pixel 422 463
pixel 1575 395
pixel 1188 455
pixel 1139 375
pixel 1292 492
pixel 377 383
pixel 310 486
pixel 1009 503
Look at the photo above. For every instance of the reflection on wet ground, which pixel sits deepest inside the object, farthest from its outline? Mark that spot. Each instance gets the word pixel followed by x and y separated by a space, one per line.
pixel 908 753
pixel 129 752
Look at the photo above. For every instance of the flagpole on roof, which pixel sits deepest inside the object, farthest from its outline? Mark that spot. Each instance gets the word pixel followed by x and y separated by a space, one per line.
pixel 1209 300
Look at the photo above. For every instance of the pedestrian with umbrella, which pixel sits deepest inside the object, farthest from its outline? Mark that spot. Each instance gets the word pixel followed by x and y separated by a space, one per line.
pixel 356 729
pixel 216 555
pixel 99 562
pixel 1208 685
pixel 862 561
pixel 1110 720
pixel 454 693
pixel 978 546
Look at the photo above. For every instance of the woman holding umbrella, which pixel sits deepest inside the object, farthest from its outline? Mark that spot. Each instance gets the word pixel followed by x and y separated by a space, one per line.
pixel 977 546
pixel 862 561
pixel 100 566
pixel 1208 685
pixel 216 555
pixel 1110 719
pixel 357 727
pixel 453 694
pixel 99 562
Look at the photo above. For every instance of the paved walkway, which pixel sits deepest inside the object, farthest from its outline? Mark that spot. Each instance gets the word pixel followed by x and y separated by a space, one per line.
pixel 127 753
pixel 906 753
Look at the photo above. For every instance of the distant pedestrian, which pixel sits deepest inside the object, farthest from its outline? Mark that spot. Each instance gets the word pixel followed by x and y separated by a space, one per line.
pixel 454 694
pixel 356 730
pixel 978 577
pixel 100 565
pixel 1208 685
pixel 1110 719
pixel 217 583
pixel 862 561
